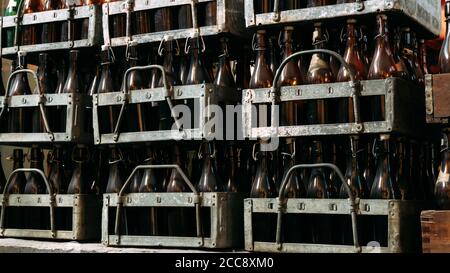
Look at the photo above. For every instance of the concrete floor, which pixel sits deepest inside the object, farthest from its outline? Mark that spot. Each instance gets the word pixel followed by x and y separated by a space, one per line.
pixel 34 246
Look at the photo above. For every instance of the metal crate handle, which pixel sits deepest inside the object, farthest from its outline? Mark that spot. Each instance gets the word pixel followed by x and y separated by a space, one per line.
pixel 126 98
pixel 354 84
pixel 41 103
pixel 282 201
pixel 197 199
pixel 49 190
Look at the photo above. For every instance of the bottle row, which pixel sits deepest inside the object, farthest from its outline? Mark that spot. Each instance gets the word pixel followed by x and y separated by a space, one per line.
pixel 147 21
pixel 387 168
pixel 265 6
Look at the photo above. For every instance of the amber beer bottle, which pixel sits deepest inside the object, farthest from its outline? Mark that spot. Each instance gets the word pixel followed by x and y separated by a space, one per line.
pixel 2 178
pixel 166 121
pixel 19 119
pixel 30 33
pixel 384 187
pixel 383 65
pixel 51 31
pixel 15 217
pixel 107 116
pixel 263 6
pixel 118 23
pixel 400 61
pixel 402 173
pixel 150 183
pixel 197 74
pixel 318 188
pixel 47 84
pixel 263 187
pixel 209 182
pixel 56 175
pixel 73 85
pixel 355 179
pixel 319 72
pixel 295 229
pixel 233 178
pixel 178 219
pixel 442 187
pixel 262 76
pixel 444 56
pixel 2 86
pixel 352 57
pixel 136 114
pixel 79 182
pixel 407 47
pixel 114 185
pixel 290 76
pixel 224 76
pixel 37 218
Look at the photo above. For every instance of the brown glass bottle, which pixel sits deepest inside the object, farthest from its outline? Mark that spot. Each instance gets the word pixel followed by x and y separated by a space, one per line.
pixel 442 187
pixel 418 68
pixel 79 183
pixel 444 55
pixel 178 219
pixel 107 116
pixel 136 114
pixel 290 76
pixel 318 188
pixel 30 33
pixel 233 178
pixel 47 85
pixel 402 172
pixel 56 176
pixel 150 183
pixel 2 178
pixel 51 31
pixel 318 3
pixel 37 218
pixel 369 165
pixel 263 187
pixel 166 120
pixel 400 61
pixel 295 229
pixel 382 66
pixel 319 72
pixel 15 218
pixel 262 76
pixel 384 187
pixel 209 179
pixel 352 57
pixel 224 76
pixel 407 47
pixel 19 119
pixel 141 22
pixel 17 184
pixel 197 70
pixel 2 86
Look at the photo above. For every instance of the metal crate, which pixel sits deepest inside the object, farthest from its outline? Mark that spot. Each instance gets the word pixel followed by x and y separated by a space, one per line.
pixel 226 216
pixel 402 101
pixel 207 94
pixel 403 220
pixel 91 12
pixel 425 13
pixel 230 19
pixel 437 98
pixel 86 211
pixel 75 105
